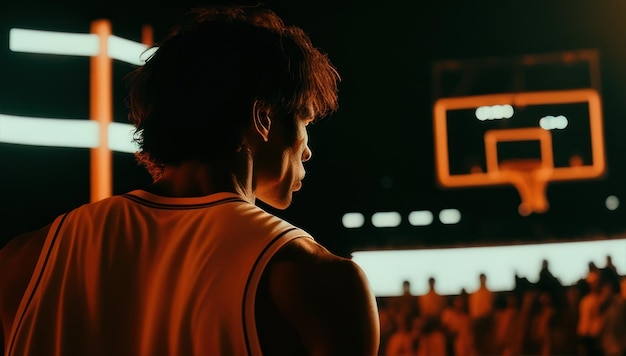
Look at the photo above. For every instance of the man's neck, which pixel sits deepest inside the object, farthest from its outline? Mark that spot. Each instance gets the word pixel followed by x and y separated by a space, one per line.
pixel 194 178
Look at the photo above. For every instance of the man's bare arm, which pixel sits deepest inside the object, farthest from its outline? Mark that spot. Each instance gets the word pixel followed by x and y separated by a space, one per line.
pixel 326 299
pixel 17 263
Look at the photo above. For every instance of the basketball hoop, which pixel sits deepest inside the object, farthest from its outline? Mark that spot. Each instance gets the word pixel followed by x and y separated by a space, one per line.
pixel 530 178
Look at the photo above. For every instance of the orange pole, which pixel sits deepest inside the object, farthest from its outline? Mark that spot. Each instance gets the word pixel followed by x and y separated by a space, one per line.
pixel 147 35
pixel 101 110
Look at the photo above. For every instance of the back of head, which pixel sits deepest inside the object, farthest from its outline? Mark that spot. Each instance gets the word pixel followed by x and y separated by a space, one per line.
pixel 194 96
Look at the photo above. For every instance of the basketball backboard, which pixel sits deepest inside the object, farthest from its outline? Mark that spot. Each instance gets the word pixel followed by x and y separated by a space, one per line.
pixel 525 138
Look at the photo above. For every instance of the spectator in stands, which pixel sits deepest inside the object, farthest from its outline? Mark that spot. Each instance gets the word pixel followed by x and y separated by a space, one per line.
pixel 432 303
pixel 547 282
pixel 481 303
pixel 543 333
pixel 508 333
pixel 432 340
pixel 456 324
pixel 568 320
pixel 406 302
pixel 610 273
pixel 612 309
pixel 590 318
pixel 402 341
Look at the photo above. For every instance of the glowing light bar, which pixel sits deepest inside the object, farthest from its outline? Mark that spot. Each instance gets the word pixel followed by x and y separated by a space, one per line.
pixel 35 41
pixel 420 218
pixel 386 219
pixel 126 50
pixel 77 44
pixel 48 132
pixel 494 112
pixel 553 122
pixel 449 216
pixel 568 261
pixel 121 137
pixel 352 220
pixel 34 131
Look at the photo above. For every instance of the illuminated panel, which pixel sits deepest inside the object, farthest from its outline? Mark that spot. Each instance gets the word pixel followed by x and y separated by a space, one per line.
pixel 456 268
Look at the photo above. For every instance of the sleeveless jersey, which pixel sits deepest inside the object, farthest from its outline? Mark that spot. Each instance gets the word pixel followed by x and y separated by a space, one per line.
pixel 141 274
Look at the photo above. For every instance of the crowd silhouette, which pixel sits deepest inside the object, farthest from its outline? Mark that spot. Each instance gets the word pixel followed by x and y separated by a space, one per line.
pixel 534 318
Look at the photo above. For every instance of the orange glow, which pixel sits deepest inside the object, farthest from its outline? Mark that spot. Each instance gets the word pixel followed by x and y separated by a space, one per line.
pixel 530 180
pixel 529 176
pixel 147 35
pixel 101 110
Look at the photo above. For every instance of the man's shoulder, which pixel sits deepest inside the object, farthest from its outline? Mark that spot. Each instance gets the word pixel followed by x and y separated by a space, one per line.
pixel 325 296
pixel 311 268
pixel 307 252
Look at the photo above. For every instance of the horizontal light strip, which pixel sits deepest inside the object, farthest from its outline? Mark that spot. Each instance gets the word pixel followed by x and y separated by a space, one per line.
pixel 450 216
pixel 352 220
pixel 121 137
pixel 420 218
pixel 456 268
pixel 63 133
pixel 393 219
pixel 76 44
pixel 48 132
pixel 386 219
pixel 126 50
pixel 35 41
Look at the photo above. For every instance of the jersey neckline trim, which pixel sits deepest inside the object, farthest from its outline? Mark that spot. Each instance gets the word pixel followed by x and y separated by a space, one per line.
pixel 161 202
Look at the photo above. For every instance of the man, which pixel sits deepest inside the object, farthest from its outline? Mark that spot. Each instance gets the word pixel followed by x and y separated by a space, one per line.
pixel 191 266
pixel 480 308
pixel 431 304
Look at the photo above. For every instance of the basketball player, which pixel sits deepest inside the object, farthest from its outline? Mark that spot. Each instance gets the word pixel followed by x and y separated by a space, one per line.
pixel 191 266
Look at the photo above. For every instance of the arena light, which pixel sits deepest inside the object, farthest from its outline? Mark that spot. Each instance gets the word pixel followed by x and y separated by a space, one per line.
pixel 450 216
pixel 457 268
pixel 48 132
pixel 126 51
pixel 420 218
pixel 352 220
pixel 121 138
pixel 75 44
pixel 49 42
pixel 611 202
pixel 386 219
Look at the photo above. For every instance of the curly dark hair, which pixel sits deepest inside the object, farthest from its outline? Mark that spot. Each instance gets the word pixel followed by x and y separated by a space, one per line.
pixel 195 94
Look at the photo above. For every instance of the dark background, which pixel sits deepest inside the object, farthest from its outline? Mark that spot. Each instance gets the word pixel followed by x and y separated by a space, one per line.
pixel 376 153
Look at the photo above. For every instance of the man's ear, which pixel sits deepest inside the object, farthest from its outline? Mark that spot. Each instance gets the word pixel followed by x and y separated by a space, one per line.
pixel 261 119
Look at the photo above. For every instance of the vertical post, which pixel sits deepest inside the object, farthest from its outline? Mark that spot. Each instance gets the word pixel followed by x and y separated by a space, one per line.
pixel 101 110
pixel 147 35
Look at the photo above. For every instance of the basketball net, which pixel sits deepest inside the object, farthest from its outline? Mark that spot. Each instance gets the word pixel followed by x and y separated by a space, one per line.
pixel 530 178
